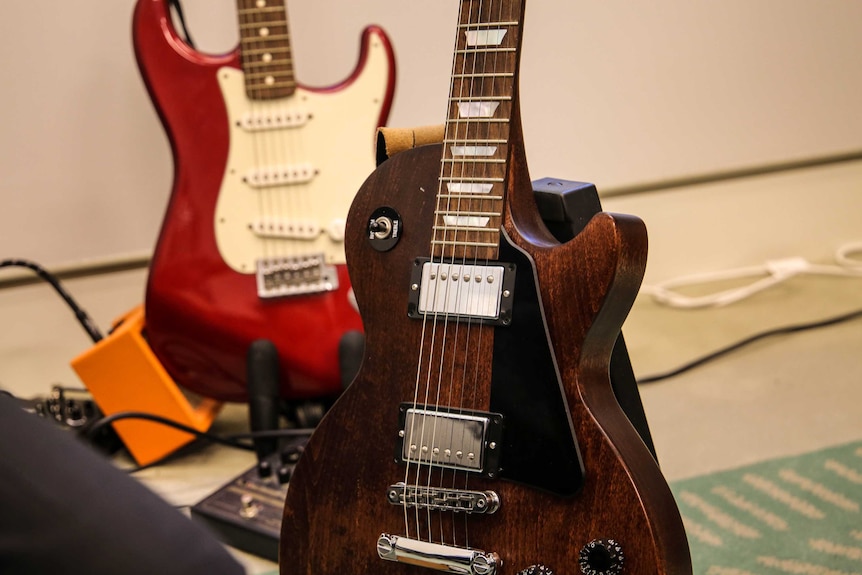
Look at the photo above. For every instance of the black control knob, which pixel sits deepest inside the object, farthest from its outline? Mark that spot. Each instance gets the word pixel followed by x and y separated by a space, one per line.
pixel 601 557
pixel 538 569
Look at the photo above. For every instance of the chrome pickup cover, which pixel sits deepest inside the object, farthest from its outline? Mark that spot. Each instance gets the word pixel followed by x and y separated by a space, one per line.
pixel 445 437
pixel 446 558
pixel 440 499
pixel 455 291
pixel 279 277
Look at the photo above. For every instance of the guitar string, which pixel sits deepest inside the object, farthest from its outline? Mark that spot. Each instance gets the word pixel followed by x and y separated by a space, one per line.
pixel 466 89
pixel 432 297
pixel 286 195
pixel 489 90
pixel 468 81
pixel 259 149
pixel 456 403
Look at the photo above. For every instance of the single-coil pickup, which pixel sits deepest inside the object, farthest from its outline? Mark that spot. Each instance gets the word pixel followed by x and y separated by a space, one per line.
pixel 285 229
pixel 440 499
pixel 273 119
pixel 271 176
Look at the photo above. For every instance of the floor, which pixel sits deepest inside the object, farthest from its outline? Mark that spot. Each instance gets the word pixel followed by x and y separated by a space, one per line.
pixel 780 396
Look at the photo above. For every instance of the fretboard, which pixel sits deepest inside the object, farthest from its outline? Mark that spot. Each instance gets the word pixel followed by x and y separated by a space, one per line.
pixel 267 61
pixel 474 166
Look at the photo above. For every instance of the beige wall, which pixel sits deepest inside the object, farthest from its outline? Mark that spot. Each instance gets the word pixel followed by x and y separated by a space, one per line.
pixel 615 92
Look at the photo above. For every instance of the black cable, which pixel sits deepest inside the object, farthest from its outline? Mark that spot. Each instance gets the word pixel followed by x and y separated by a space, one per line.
pixel 88 324
pixel 231 440
pixel 749 340
pixel 120 415
pixel 175 4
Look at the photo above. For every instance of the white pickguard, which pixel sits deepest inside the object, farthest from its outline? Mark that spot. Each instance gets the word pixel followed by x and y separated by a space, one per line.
pixel 330 133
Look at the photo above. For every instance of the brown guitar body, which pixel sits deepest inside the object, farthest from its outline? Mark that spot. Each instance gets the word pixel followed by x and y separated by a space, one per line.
pixel 336 505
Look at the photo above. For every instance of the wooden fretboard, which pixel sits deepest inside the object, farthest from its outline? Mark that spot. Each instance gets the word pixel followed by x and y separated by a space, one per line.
pixel 474 165
pixel 267 61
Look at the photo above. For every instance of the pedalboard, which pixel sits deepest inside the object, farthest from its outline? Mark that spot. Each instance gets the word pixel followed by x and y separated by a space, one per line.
pixel 246 512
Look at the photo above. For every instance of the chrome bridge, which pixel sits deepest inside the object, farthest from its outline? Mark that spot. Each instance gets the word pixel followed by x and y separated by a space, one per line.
pixel 278 277
pixel 441 499
pixel 460 291
pixel 436 556
pixel 455 439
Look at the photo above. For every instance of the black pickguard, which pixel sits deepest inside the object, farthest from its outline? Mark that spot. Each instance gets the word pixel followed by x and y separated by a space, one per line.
pixel 539 444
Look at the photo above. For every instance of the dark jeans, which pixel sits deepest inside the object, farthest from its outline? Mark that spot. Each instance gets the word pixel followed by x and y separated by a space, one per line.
pixel 65 509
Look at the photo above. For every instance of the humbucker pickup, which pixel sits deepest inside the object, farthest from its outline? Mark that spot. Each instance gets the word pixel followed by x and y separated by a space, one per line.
pixel 445 437
pixel 462 291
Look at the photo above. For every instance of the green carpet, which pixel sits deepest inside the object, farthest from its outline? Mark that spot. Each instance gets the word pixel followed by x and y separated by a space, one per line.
pixel 797 515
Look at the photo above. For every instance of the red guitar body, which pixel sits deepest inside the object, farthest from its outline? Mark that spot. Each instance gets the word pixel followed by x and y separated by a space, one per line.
pixel 201 315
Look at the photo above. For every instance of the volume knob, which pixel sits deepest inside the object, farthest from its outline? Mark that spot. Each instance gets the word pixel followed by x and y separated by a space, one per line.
pixel 601 557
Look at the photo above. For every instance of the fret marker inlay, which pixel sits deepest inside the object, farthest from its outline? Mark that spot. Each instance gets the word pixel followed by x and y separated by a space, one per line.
pixel 466 221
pixel 456 188
pixel 485 37
pixel 474 150
pixel 264 32
pixel 477 109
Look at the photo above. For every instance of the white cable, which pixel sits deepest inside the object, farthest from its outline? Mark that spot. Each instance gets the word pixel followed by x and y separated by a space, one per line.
pixel 773 272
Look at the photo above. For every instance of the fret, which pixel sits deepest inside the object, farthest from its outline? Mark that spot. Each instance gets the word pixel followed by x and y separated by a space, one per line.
pixel 461 180
pixel 474 141
pixel 255 39
pixel 485 50
pixel 263 23
pixel 465 229
pixel 461 243
pixel 271 50
pixel 484 75
pixel 261 64
pixel 469 197
pixel 487 25
pixel 468 214
pixel 479 120
pixel 265 84
pixel 481 99
pixel 273 74
pixel 472 160
pixel 264 10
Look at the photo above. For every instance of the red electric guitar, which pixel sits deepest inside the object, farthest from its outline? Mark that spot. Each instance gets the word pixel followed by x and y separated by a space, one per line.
pixel 252 245
pixel 482 435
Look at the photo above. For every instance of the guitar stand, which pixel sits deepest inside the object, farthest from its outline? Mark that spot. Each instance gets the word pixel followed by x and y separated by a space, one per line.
pixel 566 207
pixel 246 512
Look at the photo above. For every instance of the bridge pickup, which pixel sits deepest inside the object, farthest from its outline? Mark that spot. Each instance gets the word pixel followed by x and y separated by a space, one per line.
pixel 279 277
pixel 454 439
pixel 435 556
pixel 460 291
pixel 440 499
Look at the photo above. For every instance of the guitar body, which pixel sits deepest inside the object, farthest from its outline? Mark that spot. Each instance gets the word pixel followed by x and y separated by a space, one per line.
pixel 548 367
pixel 202 304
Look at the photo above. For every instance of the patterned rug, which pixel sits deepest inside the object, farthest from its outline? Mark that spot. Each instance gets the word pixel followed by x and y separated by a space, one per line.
pixel 797 515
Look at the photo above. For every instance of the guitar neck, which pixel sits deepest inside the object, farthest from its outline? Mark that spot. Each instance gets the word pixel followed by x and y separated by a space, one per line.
pixel 472 190
pixel 267 60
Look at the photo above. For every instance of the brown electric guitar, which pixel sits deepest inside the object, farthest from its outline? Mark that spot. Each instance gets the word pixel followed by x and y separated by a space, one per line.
pixel 481 435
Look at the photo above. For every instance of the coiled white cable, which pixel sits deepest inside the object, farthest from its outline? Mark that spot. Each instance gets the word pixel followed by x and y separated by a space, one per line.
pixel 773 272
